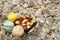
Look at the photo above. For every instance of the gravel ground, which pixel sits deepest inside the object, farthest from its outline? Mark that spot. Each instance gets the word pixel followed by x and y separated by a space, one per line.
pixel 46 12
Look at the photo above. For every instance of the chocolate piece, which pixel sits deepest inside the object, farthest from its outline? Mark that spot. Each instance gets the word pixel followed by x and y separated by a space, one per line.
pixel 26 22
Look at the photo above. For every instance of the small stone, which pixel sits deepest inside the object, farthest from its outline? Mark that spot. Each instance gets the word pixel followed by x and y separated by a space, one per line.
pixel 1 32
pixel 18 31
pixel 30 4
pixel 25 5
pixel 8 25
pixel 15 2
pixel 12 16
pixel 53 13
pixel 16 8
pixel 42 21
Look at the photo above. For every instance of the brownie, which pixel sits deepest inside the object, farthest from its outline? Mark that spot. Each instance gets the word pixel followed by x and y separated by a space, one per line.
pixel 26 22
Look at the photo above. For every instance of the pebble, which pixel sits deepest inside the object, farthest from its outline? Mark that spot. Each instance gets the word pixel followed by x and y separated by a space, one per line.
pixel 1 33
pixel 12 16
pixel 15 2
pixel 8 25
pixel 25 5
pixel 18 31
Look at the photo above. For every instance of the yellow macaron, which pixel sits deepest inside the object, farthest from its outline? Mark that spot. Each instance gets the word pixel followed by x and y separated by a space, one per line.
pixel 12 16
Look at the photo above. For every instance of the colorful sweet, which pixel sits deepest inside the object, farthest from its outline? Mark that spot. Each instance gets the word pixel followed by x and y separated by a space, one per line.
pixel 12 16
pixel 18 31
pixel 8 25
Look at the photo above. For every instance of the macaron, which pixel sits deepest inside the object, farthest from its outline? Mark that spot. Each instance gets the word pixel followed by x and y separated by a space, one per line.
pixel 18 31
pixel 12 16
pixel 8 25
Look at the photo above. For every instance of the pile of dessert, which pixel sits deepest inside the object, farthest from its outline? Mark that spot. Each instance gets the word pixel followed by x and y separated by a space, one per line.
pixel 18 25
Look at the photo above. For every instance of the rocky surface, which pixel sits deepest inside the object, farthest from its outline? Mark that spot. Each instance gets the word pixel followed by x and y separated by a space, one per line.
pixel 46 12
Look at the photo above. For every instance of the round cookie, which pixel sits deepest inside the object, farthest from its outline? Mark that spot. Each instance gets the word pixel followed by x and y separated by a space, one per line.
pixel 18 31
